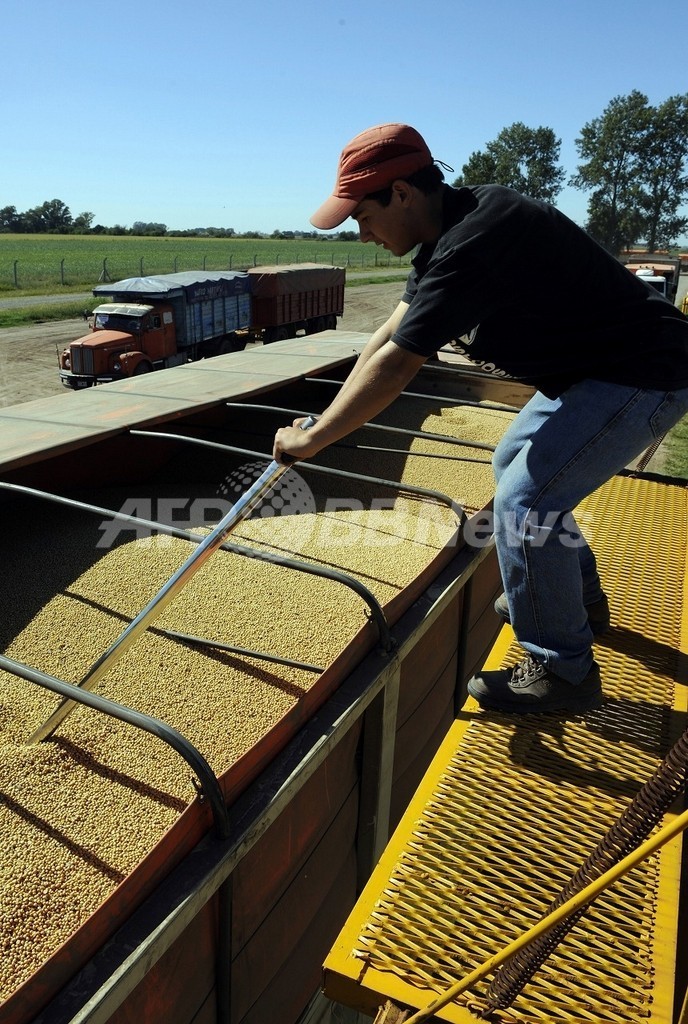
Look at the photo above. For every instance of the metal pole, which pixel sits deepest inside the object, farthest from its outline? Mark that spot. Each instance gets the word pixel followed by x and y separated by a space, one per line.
pixel 238 512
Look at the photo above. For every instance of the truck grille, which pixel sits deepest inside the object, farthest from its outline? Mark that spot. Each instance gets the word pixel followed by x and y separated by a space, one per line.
pixel 82 359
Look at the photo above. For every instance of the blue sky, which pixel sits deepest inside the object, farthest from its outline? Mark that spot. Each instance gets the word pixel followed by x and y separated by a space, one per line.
pixel 231 114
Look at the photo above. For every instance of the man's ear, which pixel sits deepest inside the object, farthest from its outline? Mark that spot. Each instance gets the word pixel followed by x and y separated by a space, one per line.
pixel 402 191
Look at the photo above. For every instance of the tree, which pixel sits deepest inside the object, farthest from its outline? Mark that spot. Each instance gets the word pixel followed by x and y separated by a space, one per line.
pixel 665 184
pixel 634 156
pixel 52 216
pixel 522 158
pixel 81 224
pixel 10 220
pixel 140 227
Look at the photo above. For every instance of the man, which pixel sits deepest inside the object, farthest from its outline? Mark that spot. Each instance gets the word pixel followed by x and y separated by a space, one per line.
pixel 606 353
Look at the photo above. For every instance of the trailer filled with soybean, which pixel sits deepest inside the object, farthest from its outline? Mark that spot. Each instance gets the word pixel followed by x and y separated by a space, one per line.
pixel 184 840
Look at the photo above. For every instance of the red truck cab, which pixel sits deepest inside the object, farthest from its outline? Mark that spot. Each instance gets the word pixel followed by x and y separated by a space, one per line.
pixel 126 339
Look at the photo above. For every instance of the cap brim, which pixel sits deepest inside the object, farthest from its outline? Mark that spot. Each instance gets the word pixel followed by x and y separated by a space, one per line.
pixel 333 212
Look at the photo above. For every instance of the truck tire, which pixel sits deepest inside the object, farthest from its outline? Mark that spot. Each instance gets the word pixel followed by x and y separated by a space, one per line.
pixel 231 344
pixel 274 334
pixel 141 368
pixel 316 325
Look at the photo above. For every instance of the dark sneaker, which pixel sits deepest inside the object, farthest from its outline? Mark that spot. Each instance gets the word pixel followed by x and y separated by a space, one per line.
pixel 530 688
pixel 598 613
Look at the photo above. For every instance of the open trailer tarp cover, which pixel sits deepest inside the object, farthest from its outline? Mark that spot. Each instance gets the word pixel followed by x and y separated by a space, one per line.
pixel 196 285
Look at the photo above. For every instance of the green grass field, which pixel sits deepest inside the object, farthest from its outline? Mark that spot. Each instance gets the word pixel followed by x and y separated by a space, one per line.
pixel 50 264
pixel 675 449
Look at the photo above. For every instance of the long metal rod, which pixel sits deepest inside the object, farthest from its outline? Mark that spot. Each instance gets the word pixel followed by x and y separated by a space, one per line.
pixel 491 407
pixel 208 780
pixel 423 434
pixel 417 455
pixel 199 641
pixel 167 593
pixel 424 492
pixel 322 572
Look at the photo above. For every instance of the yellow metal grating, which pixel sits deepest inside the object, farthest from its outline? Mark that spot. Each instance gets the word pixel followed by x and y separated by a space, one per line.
pixel 511 807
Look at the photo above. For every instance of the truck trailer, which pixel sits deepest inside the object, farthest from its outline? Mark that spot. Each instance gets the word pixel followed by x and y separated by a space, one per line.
pixel 152 323
pixel 658 271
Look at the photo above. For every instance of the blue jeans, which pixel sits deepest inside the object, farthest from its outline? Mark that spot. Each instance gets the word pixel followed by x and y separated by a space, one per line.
pixel 555 453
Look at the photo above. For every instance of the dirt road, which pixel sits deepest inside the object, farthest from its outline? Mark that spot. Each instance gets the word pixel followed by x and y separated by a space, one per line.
pixel 28 355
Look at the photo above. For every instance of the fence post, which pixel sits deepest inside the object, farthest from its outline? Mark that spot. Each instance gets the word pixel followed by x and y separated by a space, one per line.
pixel 204 259
pixel 175 264
pixel 16 282
pixel 62 271
pixel 141 267
pixel 230 261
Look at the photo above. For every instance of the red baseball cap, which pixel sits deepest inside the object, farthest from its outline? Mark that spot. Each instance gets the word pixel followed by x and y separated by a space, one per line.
pixel 371 161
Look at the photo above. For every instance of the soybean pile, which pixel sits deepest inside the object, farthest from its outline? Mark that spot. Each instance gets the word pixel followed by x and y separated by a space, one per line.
pixel 81 810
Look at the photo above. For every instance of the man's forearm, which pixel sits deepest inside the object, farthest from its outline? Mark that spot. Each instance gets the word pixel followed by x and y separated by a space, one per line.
pixel 380 380
pixel 377 340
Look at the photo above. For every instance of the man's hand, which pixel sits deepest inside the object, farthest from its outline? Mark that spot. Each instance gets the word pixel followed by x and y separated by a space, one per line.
pixel 295 442
pixel 378 382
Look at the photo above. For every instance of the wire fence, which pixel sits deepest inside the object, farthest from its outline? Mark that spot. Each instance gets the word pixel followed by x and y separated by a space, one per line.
pixel 80 269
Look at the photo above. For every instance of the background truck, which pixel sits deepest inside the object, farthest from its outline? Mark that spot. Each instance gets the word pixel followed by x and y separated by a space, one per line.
pixel 660 272
pixel 295 297
pixel 151 323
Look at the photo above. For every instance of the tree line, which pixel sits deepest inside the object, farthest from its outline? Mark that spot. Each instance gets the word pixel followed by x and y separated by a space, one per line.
pixel 633 163
pixel 54 217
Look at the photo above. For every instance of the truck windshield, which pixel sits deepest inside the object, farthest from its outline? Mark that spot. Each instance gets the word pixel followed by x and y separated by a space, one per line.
pixel 118 322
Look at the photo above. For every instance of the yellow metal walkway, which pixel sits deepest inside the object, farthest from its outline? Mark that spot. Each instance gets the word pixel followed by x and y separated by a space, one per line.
pixel 510 808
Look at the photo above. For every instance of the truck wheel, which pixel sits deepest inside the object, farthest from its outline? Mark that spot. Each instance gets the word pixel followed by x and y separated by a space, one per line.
pixel 275 334
pixel 230 344
pixel 142 368
pixel 331 322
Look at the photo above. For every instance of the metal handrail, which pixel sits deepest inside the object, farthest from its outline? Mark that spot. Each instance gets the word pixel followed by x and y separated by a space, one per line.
pixel 407 432
pixel 167 593
pixel 76 695
pixel 445 399
pixel 395 485
pixel 375 609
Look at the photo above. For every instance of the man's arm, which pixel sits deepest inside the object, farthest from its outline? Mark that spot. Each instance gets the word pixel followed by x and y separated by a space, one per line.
pixel 380 378
pixel 380 337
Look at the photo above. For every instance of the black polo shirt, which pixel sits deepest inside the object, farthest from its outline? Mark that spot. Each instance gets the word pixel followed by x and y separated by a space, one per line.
pixel 531 296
